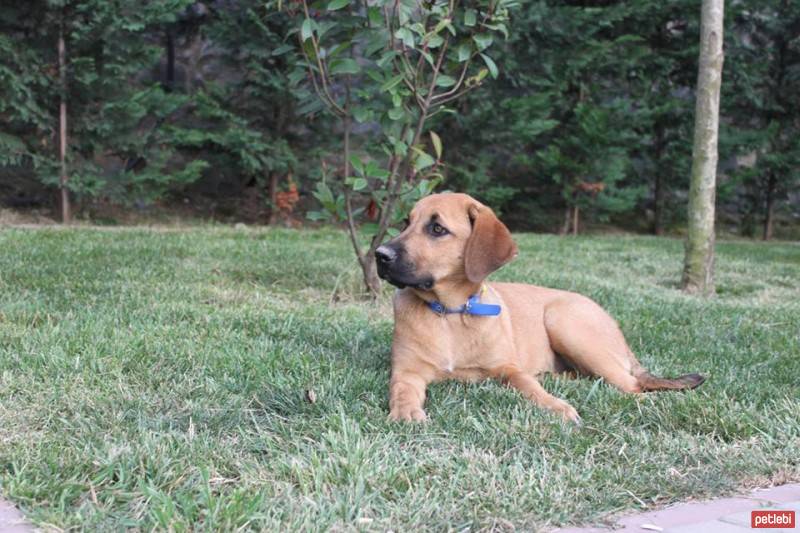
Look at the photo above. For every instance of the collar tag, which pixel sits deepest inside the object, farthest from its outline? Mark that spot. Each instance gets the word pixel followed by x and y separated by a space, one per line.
pixel 437 307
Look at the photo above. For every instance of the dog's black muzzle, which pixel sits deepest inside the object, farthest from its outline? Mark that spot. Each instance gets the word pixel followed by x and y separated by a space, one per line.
pixel 394 267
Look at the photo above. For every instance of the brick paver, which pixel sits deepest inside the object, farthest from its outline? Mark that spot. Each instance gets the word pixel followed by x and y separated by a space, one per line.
pixel 715 516
pixel 11 520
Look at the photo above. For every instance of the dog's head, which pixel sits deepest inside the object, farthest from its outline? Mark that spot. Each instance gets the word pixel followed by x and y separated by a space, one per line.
pixel 450 237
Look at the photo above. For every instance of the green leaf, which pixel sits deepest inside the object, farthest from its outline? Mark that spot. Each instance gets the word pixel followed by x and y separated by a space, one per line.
pixel 344 66
pixel 392 232
pixel 361 114
pixel 318 215
pixel 339 209
pixel 406 9
pixel 375 75
pixel 445 81
pixel 310 106
pixel 308 48
pixel 359 184
pixel 418 28
pixel 282 49
pixel 400 148
pixel 406 36
pixel 307 29
pixel 437 144
pixel 491 65
pixel 423 160
pixel 425 187
pixel 338 49
pixel 325 196
pixel 441 25
pixel 372 170
pixel 337 4
pixel 470 17
pixel 391 83
pixel 464 52
pixel 375 16
pixel 435 41
pixel 396 113
pixel 499 27
pixel 386 58
pixel 482 41
pixel 357 164
pixel 477 78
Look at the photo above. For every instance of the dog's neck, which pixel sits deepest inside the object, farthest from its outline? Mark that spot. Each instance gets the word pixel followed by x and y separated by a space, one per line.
pixel 451 294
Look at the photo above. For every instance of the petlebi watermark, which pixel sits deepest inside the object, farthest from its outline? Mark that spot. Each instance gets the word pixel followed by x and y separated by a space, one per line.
pixel 772 519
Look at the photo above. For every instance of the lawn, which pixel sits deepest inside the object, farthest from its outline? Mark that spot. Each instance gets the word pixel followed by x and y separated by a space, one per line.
pixel 159 379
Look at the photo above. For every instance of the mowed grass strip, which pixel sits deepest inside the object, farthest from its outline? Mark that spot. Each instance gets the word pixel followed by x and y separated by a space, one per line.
pixel 159 380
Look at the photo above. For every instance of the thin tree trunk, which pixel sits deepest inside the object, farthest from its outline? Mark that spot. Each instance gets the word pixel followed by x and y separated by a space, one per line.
pixel 66 215
pixel 770 211
pixel 698 272
pixel 365 260
pixel 371 279
pixel 575 217
pixel 567 218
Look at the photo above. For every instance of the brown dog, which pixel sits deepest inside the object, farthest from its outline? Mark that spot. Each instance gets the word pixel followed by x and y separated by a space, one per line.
pixel 512 332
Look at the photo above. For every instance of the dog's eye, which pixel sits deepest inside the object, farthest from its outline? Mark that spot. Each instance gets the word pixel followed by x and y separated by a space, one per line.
pixel 437 230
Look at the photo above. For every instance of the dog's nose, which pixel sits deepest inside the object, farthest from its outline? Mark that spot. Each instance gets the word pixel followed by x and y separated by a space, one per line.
pixel 385 255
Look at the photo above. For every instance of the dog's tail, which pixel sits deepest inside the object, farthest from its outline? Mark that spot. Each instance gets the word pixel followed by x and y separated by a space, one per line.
pixel 649 382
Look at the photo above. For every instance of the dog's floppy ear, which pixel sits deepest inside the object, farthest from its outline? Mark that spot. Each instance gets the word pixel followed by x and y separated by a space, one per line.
pixel 489 247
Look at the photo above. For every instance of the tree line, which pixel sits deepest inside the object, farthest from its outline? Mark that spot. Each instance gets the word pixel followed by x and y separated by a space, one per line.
pixel 558 114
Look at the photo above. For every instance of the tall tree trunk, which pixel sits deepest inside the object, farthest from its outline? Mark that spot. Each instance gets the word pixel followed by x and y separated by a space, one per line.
pixel 575 217
pixel 770 211
pixel 567 217
pixel 66 215
pixel 698 271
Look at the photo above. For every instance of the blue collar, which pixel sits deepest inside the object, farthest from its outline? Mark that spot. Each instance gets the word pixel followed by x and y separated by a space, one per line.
pixel 472 307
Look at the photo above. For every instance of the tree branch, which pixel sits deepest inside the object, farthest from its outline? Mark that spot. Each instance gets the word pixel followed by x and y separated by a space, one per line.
pixel 458 83
pixel 322 71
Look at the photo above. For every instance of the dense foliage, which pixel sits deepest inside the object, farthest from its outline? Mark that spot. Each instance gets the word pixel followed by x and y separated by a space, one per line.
pixel 588 121
pixel 117 142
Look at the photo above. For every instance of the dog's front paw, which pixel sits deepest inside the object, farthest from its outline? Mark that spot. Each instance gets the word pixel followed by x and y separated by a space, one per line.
pixel 566 411
pixel 408 414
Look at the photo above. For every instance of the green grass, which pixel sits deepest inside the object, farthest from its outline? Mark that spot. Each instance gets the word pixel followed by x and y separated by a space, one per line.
pixel 158 380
